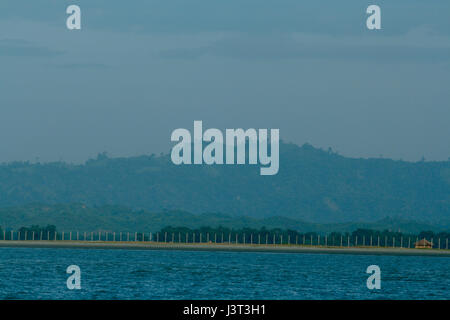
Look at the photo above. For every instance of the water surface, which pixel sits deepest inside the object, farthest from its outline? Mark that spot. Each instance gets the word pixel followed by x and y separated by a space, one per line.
pixel 30 273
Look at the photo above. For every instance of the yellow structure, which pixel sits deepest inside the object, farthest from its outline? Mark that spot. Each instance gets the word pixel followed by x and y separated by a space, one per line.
pixel 423 244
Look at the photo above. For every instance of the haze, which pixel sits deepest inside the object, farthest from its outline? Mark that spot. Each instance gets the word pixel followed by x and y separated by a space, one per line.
pixel 140 69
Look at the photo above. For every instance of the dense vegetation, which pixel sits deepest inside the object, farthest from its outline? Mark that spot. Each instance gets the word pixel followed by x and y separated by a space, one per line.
pixel 34 232
pixel 312 185
pixel 359 237
pixel 287 236
pixel 115 218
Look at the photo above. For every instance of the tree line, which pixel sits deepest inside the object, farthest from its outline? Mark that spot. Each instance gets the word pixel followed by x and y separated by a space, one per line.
pixel 359 237
pixel 27 233
pixel 281 236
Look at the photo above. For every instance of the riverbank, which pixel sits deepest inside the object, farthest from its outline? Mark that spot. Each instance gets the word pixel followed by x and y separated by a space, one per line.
pixel 224 247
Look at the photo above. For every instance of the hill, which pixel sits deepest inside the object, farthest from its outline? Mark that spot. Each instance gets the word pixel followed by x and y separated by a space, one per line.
pixel 79 217
pixel 312 185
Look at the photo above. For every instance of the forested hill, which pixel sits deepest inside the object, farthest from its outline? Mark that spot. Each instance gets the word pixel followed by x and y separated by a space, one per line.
pixel 312 185
pixel 79 217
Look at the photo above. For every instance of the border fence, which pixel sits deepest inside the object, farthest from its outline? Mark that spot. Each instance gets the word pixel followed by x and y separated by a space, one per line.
pixel 227 238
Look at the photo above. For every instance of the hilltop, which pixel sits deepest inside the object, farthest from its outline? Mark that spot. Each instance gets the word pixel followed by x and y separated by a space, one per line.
pixel 312 185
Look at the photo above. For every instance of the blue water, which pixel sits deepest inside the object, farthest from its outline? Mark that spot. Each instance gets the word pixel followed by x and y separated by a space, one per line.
pixel 139 274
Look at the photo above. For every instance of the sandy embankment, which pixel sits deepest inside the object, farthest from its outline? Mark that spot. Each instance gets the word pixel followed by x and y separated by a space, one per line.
pixel 223 247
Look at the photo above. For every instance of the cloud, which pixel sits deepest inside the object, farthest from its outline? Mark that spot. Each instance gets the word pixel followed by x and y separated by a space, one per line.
pixel 416 45
pixel 82 65
pixel 23 48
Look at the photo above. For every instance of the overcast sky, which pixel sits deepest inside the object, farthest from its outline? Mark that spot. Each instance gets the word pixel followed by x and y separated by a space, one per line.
pixel 140 69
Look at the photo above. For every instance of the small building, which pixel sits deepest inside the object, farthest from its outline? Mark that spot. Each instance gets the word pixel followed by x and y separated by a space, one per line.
pixel 423 244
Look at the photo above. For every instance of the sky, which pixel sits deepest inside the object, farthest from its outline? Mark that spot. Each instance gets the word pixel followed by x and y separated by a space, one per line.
pixel 137 70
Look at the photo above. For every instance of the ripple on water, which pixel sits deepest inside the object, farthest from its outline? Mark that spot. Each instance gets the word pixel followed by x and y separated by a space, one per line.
pixel 122 274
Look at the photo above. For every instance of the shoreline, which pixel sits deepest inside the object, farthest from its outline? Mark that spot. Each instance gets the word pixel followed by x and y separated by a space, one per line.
pixel 222 247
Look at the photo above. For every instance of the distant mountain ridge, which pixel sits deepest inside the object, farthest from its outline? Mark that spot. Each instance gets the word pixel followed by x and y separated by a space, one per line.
pixel 79 217
pixel 312 185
